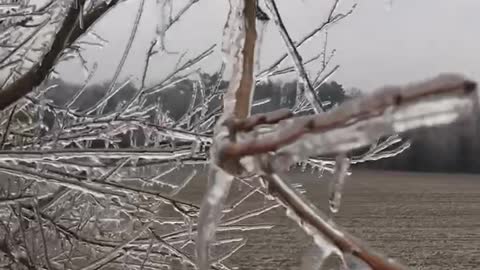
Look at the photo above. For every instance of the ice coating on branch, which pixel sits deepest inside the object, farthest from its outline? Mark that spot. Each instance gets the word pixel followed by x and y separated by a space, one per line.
pixel 163 8
pixel 395 110
pixel 362 133
pixel 232 46
pixel 336 186
pixel 219 180
pixel 80 15
pixel 300 206
pixel 323 247
pixel 125 160
pixel 262 27
pixel 354 263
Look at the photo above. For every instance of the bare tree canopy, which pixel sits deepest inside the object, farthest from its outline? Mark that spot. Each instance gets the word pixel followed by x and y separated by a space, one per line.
pixel 106 179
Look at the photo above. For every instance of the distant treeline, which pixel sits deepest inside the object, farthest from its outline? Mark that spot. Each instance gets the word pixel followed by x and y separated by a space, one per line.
pixel 176 100
pixel 452 148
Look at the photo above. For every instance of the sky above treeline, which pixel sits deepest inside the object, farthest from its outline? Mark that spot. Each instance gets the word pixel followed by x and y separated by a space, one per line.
pixel 382 42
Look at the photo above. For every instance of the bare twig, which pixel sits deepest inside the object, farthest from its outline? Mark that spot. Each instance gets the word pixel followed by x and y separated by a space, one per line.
pixel 333 18
pixel 310 94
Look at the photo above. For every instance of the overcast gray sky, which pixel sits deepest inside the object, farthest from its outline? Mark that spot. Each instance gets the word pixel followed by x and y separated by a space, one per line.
pixel 379 44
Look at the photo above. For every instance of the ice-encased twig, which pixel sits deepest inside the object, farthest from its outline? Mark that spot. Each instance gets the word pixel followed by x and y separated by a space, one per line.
pixel 60 154
pixel 126 52
pixel 336 186
pixel 310 94
pixel 332 19
pixel 64 37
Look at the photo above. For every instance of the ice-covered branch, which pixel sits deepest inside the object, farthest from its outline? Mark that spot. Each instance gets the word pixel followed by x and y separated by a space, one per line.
pixel 362 121
pixel 314 223
pixel 266 143
pixel 66 35
pixel 310 94
pixel 240 40
pixel 331 19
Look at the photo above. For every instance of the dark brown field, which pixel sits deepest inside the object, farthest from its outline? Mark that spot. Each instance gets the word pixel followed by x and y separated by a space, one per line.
pixel 426 221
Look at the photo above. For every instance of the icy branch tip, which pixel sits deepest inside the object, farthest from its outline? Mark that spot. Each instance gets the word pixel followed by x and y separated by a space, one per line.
pixel 443 83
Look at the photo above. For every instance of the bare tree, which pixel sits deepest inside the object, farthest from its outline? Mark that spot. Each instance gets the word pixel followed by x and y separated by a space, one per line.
pixel 105 184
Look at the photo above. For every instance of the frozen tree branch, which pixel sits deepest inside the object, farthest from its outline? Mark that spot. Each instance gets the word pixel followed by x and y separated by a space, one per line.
pixel 103 185
pixel 314 223
pixel 268 143
pixel 65 37
pixel 392 110
pixel 297 59
pixel 331 19
pixel 241 32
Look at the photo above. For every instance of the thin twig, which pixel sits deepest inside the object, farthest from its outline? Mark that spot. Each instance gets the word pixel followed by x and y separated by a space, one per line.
pixel 310 94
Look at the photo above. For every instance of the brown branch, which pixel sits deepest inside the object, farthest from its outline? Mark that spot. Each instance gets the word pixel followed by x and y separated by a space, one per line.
pixel 243 94
pixel 68 33
pixel 308 213
pixel 353 112
pixel 248 124
pixel 237 104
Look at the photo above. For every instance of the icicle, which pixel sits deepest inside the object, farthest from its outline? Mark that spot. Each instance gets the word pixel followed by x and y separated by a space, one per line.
pixel 204 110
pixel 232 47
pixel 336 188
pixel 80 15
pixel 163 20
pixel 195 147
pixel 210 213
pixel 304 166
pixel 321 170
pixel 41 111
pixel 262 27
pixel 131 138
pixel 189 223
